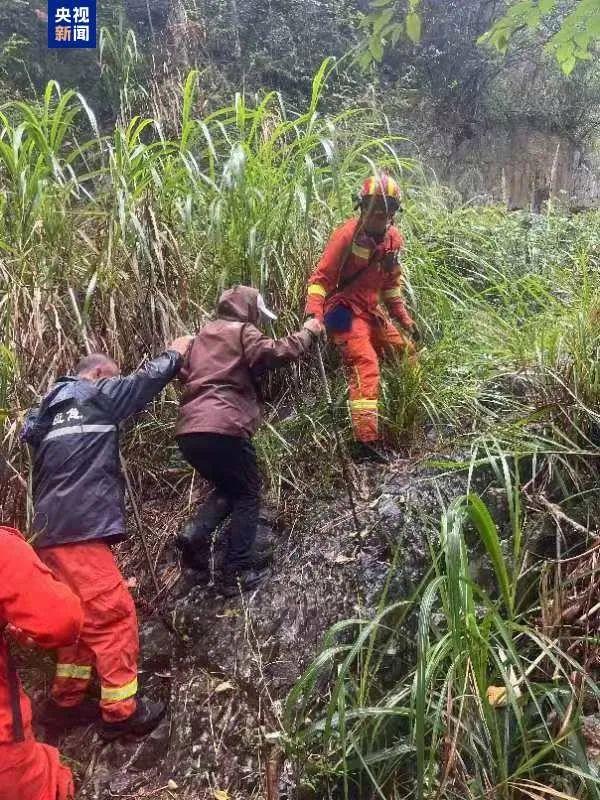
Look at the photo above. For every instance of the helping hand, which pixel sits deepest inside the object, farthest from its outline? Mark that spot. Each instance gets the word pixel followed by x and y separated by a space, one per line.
pixel 19 636
pixel 415 333
pixel 315 327
pixel 181 345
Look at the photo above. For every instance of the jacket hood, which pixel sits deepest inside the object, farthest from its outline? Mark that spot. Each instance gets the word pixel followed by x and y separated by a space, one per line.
pixel 239 303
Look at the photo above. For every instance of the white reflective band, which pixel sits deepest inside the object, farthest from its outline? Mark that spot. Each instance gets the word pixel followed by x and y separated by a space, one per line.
pixel 73 429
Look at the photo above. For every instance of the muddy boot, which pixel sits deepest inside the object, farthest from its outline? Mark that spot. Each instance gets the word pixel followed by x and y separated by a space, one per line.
pixel 242 580
pixel 194 540
pixel 370 452
pixel 194 545
pixel 62 718
pixel 144 719
pixel 193 556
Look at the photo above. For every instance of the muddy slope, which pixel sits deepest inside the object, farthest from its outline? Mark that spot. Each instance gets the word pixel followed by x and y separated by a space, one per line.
pixel 229 666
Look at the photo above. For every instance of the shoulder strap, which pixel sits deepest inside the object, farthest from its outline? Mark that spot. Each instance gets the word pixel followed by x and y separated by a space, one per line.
pixel 14 696
pixel 343 284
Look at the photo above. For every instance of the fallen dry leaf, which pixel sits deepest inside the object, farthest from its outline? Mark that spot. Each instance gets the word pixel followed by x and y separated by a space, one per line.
pixel 225 686
pixel 342 559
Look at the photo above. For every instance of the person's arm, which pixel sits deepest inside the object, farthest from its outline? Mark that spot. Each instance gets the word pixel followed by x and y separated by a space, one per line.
pixel 393 296
pixel 324 279
pixel 394 285
pixel 32 602
pixel 131 394
pixel 263 353
pixel 30 433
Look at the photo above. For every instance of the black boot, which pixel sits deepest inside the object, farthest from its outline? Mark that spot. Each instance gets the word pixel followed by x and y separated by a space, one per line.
pixel 372 452
pixel 194 540
pixel 63 718
pixel 192 556
pixel 243 579
pixel 144 719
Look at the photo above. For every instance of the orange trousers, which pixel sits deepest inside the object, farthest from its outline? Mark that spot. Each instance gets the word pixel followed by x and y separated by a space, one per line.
pixel 361 348
pixel 32 771
pixel 109 637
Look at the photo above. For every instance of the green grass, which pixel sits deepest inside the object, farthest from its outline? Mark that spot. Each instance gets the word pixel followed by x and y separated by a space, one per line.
pixel 432 732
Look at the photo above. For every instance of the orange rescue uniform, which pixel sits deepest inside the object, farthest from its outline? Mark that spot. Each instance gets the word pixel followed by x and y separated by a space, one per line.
pixel 355 274
pixel 43 609
pixel 109 640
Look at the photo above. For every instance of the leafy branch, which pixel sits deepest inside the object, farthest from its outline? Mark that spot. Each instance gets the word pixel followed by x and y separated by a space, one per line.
pixel 386 23
pixel 578 28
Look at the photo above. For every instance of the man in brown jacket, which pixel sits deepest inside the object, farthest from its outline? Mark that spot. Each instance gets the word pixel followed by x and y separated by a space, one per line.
pixel 220 412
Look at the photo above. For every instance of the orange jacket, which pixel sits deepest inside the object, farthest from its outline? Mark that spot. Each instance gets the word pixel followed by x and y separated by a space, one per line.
pixel 350 252
pixel 32 600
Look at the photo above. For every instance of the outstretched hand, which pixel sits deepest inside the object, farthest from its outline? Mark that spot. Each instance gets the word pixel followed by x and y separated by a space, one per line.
pixel 181 345
pixel 415 333
pixel 315 327
pixel 19 636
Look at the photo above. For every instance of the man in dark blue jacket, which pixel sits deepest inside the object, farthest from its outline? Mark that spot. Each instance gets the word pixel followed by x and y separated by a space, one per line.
pixel 79 510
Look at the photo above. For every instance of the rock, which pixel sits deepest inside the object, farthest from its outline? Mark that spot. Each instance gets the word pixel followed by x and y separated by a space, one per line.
pixel 389 507
pixel 590 728
pixel 154 748
pixel 155 646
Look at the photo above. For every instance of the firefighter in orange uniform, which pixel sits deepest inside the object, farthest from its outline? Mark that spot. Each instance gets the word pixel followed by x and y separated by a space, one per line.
pixel 34 609
pixel 360 268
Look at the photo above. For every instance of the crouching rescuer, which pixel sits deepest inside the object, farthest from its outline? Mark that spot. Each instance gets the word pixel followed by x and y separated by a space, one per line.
pixel 79 511
pixel 359 270
pixel 220 412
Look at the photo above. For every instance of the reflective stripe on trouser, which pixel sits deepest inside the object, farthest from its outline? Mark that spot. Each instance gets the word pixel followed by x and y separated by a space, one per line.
pixel 364 415
pixel 109 637
pixel 361 347
pixel 32 771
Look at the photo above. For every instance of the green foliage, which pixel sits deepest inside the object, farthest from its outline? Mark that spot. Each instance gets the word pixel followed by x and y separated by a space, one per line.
pixel 469 716
pixel 571 28
pixel 385 27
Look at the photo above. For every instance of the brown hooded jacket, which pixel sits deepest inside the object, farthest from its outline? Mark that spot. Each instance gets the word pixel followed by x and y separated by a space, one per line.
pixel 223 365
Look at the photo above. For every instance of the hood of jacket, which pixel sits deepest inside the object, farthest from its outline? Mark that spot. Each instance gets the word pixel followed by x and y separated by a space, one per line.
pixel 240 304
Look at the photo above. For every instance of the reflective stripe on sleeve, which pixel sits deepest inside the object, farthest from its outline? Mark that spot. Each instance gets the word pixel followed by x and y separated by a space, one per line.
pixel 316 288
pixel 73 429
pixel 115 694
pixel 73 671
pixel 392 294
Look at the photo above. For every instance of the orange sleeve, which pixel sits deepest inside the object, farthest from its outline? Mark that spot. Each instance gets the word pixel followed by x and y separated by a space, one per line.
pixel 393 286
pixel 32 599
pixel 324 279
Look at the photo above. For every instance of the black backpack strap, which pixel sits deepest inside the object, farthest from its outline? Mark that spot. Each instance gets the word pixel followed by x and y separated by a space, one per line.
pixel 14 696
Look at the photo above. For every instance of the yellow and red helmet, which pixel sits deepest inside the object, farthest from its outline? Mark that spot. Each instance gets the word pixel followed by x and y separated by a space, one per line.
pixel 381 185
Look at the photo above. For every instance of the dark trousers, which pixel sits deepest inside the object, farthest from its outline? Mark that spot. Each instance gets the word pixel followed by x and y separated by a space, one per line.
pixel 228 462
